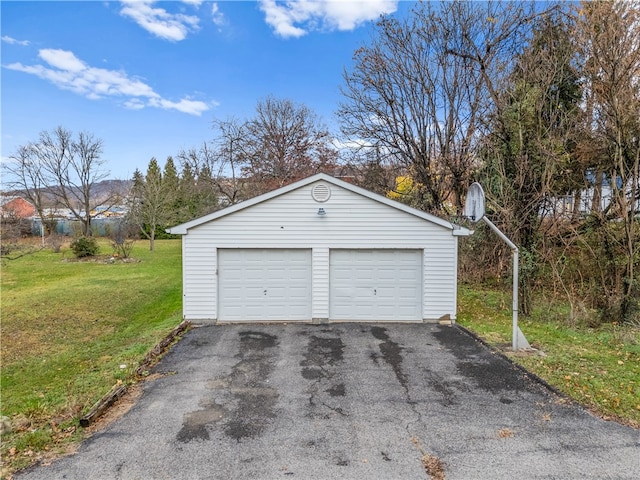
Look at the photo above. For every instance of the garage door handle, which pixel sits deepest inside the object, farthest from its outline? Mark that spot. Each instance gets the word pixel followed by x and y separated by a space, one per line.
pixel 265 292
pixel 375 292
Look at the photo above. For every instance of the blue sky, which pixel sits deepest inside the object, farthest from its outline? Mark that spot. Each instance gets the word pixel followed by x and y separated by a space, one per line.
pixel 148 78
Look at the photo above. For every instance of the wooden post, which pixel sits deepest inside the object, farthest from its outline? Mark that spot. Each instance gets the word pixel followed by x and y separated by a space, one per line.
pixel 103 404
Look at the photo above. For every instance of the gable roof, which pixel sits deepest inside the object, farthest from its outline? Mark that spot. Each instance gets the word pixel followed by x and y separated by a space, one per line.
pixel 17 206
pixel 184 227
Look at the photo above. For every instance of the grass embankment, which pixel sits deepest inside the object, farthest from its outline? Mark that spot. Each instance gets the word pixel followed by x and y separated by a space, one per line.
pixel 70 331
pixel 599 368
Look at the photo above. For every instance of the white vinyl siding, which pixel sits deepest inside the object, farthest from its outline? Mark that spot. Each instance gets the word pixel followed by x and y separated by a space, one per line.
pixel 376 285
pixel 320 264
pixel 290 221
pixel 199 281
pixel 440 261
pixel 264 284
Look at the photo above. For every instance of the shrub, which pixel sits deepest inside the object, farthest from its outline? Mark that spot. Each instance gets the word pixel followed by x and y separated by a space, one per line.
pixel 55 242
pixel 84 247
pixel 123 236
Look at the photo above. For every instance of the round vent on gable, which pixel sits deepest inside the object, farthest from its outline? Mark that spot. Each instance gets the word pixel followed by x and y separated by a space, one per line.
pixel 321 192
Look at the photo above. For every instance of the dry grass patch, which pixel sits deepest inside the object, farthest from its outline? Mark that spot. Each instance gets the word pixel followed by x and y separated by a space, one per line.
pixel 433 466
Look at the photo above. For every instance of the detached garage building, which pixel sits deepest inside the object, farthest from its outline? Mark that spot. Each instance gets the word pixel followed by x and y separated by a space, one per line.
pixel 319 250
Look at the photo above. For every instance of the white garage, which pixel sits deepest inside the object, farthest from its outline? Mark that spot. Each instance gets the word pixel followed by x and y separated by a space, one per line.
pixel 264 284
pixel 385 285
pixel 319 250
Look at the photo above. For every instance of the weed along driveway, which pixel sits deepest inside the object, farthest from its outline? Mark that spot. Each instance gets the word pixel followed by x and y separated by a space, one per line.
pixel 347 401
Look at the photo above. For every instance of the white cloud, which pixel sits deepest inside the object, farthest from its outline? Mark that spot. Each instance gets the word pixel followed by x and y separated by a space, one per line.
pixel 216 15
pixel 356 144
pixel 134 104
pixel 68 72
pixel 185 105
pixel 296 18
pixel 62 59
pixel 13 41
pixel 159 22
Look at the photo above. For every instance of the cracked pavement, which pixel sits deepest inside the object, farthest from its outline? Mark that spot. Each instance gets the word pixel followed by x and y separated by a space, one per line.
pixel 347 401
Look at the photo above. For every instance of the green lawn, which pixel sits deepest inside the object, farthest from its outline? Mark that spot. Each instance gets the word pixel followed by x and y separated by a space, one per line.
pixel 71 330
pixel 599 368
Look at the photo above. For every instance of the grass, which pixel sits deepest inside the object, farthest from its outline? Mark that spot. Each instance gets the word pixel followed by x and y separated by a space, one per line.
pixel 70 331
pixel 599 368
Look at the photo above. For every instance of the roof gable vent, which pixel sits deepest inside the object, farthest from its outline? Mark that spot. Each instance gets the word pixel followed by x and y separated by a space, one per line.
pixel 321 192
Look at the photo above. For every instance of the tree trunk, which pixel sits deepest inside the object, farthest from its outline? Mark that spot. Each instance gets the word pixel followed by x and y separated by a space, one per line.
pixel 152 238
pixel 596 200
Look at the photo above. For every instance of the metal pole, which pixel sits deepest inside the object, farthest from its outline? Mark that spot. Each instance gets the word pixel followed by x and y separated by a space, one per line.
pixel 514 306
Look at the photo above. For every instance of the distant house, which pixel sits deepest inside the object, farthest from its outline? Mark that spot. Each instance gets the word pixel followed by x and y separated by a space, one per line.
pixel 16 207
pixel 588 198
pixel 116 211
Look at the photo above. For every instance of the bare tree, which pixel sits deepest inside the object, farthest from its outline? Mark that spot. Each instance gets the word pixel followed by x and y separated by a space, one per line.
pixel 609 36
pixel 67 169
pixel 386 103
pixel 283 143
pixel 419 92
pixel 222 158
pixel 25 173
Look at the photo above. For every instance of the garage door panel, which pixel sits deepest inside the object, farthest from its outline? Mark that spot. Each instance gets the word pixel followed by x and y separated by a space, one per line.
pixel 375 285
pixel 264 284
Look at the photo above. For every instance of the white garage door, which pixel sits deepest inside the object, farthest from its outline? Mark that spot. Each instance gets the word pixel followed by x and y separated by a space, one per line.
pixel 375 285
pixel 264 284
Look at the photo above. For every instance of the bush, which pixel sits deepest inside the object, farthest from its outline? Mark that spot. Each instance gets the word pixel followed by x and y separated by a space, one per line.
pixel 55 242
pixel 84 247
pixel 123 236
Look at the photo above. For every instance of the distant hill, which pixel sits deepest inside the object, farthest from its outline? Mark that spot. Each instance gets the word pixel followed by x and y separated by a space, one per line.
pixel 104 188
pixel 101 190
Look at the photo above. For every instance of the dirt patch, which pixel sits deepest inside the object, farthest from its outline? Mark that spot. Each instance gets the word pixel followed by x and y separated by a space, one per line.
pixel 108 259
pixel 433 466
pixel 505 433
pixel 118 409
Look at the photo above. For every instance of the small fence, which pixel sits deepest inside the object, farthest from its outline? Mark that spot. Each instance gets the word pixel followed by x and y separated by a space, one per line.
pixel 100 227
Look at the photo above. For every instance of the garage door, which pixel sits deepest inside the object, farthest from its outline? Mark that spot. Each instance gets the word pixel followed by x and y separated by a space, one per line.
pixel 264 284
pixel 375 285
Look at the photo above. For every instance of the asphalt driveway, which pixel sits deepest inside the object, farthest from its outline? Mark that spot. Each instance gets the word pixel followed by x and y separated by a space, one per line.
pixel 347 401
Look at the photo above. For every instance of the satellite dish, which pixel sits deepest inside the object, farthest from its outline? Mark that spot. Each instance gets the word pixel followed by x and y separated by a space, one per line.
pixel 474 203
